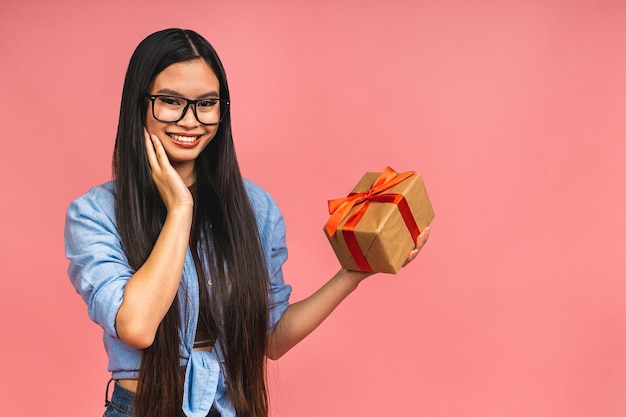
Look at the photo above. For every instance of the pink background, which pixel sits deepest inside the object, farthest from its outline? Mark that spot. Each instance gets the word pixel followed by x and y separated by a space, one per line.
pixel 513 111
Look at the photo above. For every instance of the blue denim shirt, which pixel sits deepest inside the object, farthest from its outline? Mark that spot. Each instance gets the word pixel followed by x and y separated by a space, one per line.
pixel 99 271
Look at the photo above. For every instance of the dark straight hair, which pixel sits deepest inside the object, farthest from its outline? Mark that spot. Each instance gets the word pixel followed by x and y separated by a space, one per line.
pixel 224 225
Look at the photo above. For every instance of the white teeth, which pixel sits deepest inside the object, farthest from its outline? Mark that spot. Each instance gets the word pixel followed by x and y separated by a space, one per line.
pixel 187 139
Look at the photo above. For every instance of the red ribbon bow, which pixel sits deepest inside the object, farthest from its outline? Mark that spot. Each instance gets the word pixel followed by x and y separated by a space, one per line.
pixel 340 207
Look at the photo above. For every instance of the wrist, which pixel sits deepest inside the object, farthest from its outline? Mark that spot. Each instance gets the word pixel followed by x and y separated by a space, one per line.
pixel 181 209
pixel 180 215
pixel 354 277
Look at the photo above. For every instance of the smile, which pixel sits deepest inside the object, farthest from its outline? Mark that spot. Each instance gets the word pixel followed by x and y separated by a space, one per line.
pixel 184 139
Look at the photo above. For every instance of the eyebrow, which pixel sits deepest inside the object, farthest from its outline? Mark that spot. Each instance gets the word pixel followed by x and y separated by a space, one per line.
pixel 176 93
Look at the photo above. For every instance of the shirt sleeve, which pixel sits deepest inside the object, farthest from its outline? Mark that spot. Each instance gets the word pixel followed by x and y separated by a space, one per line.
pixel 273 238
pixel 98 267
pixel 279 292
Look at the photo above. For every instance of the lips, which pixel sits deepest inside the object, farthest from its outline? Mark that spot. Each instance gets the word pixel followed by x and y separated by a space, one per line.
pixel 184 140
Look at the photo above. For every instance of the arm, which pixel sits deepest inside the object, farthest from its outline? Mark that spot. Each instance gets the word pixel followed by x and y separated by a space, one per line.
pixel 301 318
pixel 149 293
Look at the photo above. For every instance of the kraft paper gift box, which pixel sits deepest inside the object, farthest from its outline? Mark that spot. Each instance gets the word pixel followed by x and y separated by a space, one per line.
pixel 376 226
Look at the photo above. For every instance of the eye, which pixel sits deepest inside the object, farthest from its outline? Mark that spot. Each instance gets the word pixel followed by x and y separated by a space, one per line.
pixel 208 103
pixel 170 101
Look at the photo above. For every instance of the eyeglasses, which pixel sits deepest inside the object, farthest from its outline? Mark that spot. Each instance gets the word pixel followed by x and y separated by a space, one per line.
pixel 171 109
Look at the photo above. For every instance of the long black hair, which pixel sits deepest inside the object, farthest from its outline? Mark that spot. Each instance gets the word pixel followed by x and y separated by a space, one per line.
pixel 224 225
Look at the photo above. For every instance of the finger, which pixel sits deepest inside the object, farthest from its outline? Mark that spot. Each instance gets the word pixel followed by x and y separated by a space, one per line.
pixel 159 151
pixel 164 160
pixel 423 238
pixel 412 255
pixel 152 158
pixel 161 158
pixel 421 241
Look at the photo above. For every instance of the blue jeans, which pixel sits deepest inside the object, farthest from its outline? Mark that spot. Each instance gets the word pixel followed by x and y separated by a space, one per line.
pixel 121 403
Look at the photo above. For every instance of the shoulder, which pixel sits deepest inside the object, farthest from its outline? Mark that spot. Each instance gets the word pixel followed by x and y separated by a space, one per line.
pixel 99 200
pixel 259 197
pixel 103 194
pixel 271 226
pixel 263 204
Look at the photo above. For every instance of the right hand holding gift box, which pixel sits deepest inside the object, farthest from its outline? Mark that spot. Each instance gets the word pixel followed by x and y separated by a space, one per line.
pixel 377 225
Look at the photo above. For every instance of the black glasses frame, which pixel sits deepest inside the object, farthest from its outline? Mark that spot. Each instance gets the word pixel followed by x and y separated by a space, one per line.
pixel 224 105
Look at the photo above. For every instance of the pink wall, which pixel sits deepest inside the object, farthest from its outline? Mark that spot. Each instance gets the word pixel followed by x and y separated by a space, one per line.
pixel 513 111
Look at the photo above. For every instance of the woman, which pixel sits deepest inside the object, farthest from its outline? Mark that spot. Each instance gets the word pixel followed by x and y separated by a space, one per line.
pixel 179 259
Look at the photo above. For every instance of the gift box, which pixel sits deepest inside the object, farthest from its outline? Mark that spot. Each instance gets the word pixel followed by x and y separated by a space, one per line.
pixel 375 227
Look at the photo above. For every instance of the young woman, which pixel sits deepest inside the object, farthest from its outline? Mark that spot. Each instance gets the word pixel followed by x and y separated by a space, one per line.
pixel 179 259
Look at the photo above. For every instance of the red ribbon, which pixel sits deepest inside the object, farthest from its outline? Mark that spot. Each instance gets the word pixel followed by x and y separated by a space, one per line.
pixel 339 209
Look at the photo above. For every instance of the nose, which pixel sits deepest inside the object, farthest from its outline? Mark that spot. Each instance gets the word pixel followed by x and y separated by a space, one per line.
pixel 189 119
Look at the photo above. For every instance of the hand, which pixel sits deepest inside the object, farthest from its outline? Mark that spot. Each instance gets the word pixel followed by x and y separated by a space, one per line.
pixel 421 241
pixel 171 187
pixel 358 276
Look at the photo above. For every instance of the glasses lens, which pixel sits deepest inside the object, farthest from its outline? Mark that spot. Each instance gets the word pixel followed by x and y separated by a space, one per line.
pixel 208 111
pixel 170 109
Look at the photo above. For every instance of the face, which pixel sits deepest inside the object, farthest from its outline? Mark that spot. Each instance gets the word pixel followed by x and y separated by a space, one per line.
pixel 184 140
